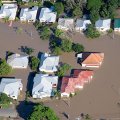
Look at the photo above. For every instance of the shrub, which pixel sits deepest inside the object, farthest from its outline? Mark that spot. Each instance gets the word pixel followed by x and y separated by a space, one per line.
pixel 110 30
pixel 63 69
pixel 37 24
pixel 91 32
pixel 5 69
pixel 57 94
pixel 66 45
pixel 34 62
pixel 78 47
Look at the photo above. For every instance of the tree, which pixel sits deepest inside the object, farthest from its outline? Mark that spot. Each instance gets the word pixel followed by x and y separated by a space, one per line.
pixel 73 5
pixel 77 12
pixel 66 45
pixel 4 99
pixel 28 50
pixel 1 3
pixel 58 32
pixel 48 4
pixel 78 47
pixel 91 32
pixel 41 112
pixel 34 62
pixel 94 15
pixel 56 51
pixel 91 4
pixel 45 33
pixel 5 69
pixel 59 8
pixel 104 11
pixel 63 69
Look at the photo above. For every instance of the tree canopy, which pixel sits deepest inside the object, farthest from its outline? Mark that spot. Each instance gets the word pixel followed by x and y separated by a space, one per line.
pixel 34 62
pixel 4 99
pixel 41 112
pixel 91 32
pixel 63 69
pixel 66 45
pixel 45 33
pixel 5 69
pixel 78 47
pixel 59 8
pixel 91 4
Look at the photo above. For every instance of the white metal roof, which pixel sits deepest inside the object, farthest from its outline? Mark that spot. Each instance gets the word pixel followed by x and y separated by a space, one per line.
pixel 49 63
pixel 82 23
pixel 46 15
pixel 103 23
pixel 28 14
pixel 8 10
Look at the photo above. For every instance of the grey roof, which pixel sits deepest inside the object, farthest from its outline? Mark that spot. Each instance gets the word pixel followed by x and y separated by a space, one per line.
pixel 43 83
pixel 17 60
pixel 8 113
pixel 10 86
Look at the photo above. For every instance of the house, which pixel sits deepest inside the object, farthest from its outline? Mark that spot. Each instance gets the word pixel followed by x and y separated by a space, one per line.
pixel 44 85
pixel 103 25
pixel 65 24
pixel 117 24
pixel 90 59
pixel 76 81
pixel 18 61
pixel 11 87
pixel 28 14
pixel 47 15
pixel 49 63
pixel 26 1
pixel 8 113
pixel 81 24
pixel 8 10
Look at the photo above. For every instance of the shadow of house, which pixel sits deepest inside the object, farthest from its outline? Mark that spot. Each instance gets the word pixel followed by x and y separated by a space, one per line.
pixel 83 57
pixel 30 82
pixel 54 42
pixel 8 53
pixel 38 14
pixel 24 110
pixel 59 84
pixel 39 55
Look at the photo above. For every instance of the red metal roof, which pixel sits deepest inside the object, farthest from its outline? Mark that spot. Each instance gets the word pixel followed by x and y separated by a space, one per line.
pixel 80 77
